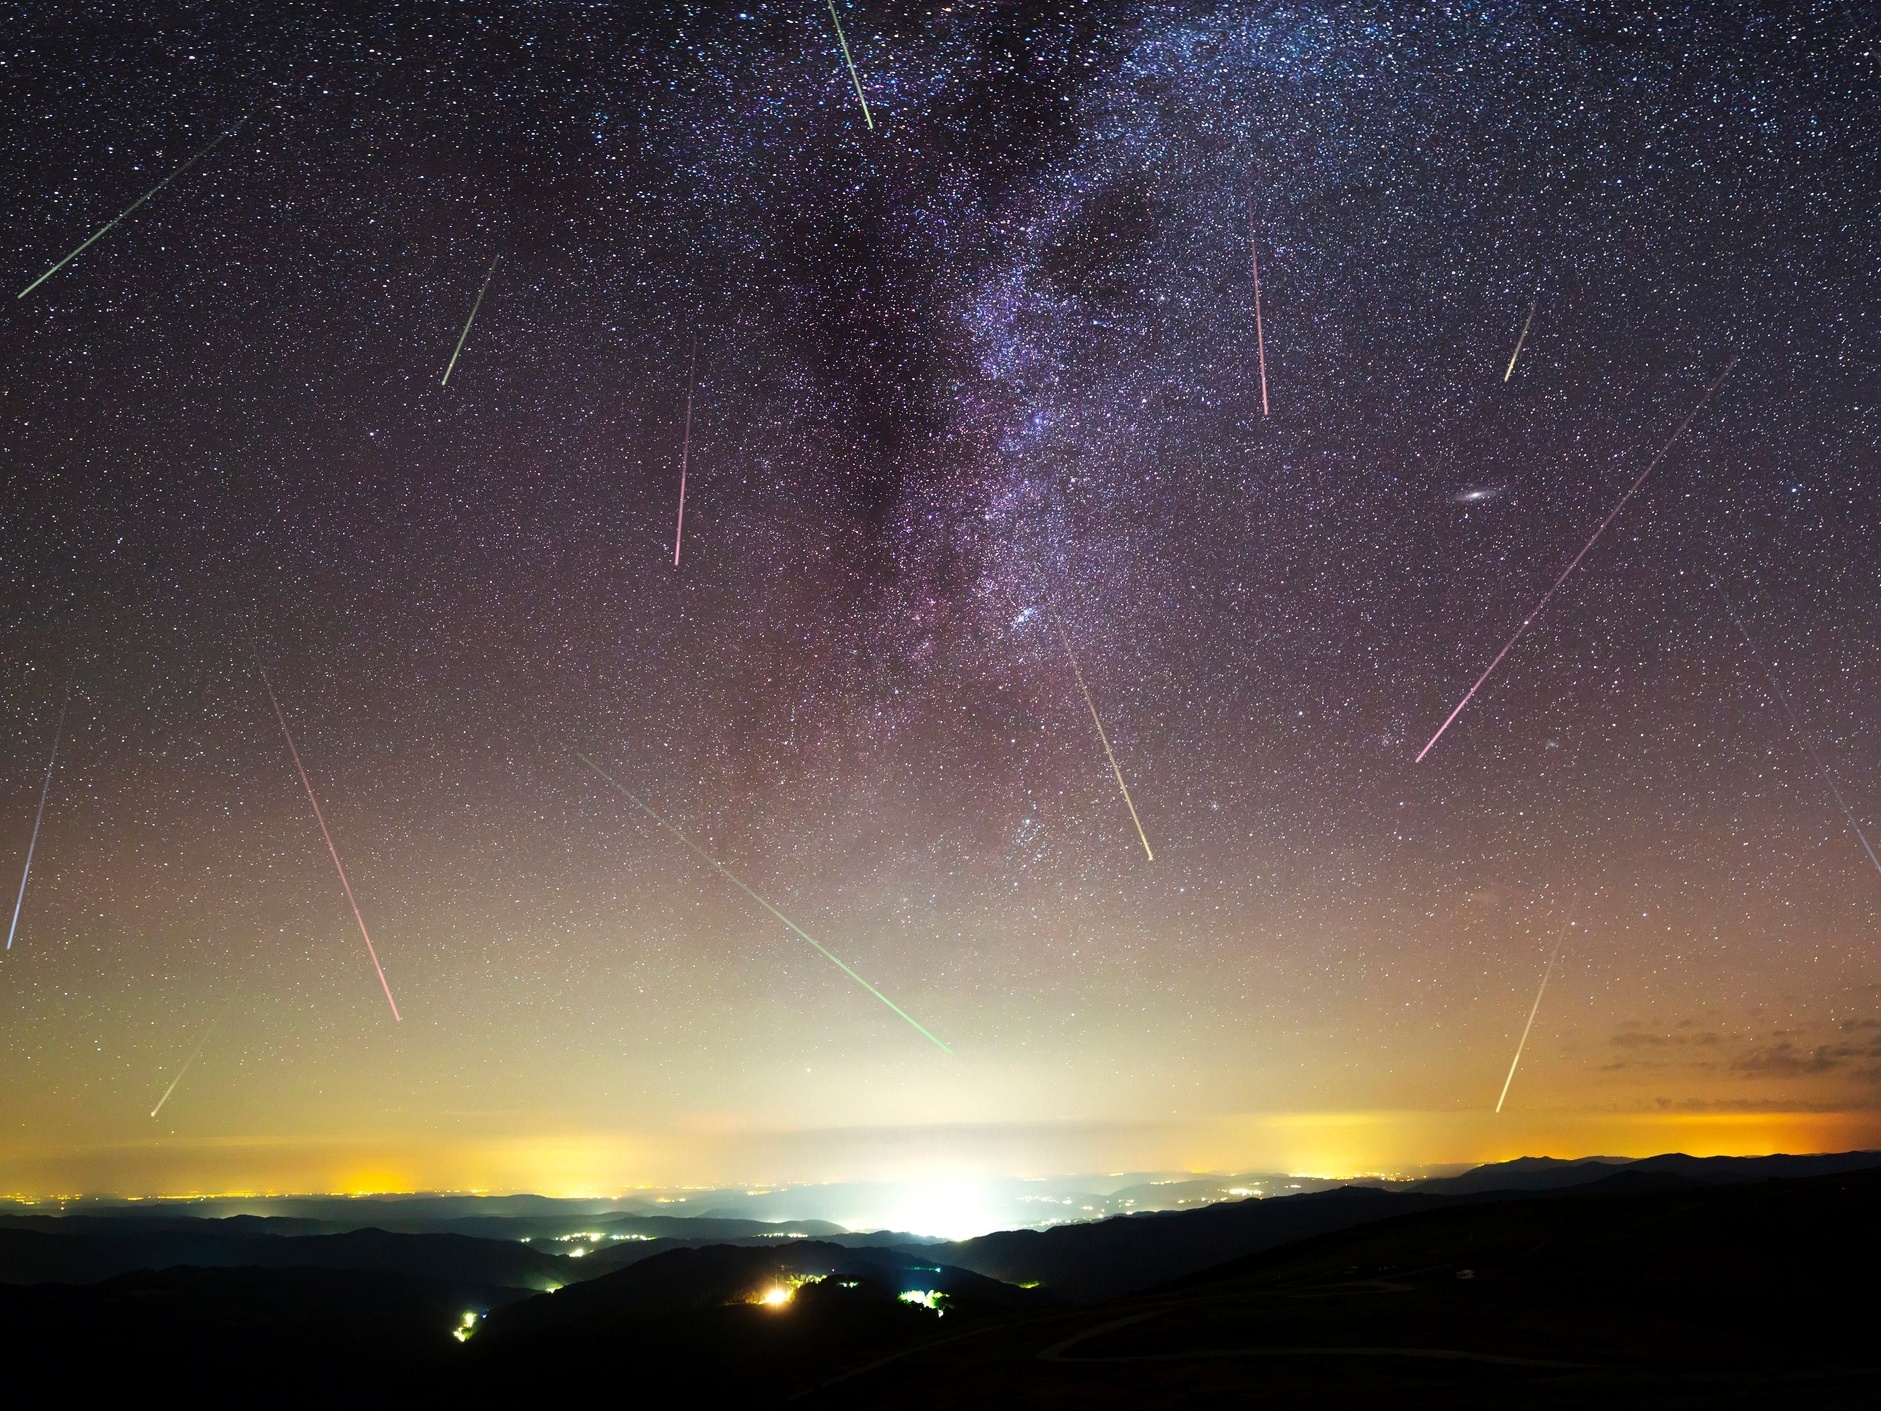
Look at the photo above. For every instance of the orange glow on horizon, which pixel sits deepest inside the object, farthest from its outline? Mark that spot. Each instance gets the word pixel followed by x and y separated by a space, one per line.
pixel 609 1165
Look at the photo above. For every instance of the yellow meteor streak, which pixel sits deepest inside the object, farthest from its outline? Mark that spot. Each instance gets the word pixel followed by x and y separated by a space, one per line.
pixel 105 229
pixel 1520 341
pixel 1108 754
pixel 726 873
pixel 847 59
pixel 488 276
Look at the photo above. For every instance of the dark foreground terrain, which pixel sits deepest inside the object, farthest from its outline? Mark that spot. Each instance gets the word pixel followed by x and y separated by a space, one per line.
pixel 1681 1297
pixel 1648 1287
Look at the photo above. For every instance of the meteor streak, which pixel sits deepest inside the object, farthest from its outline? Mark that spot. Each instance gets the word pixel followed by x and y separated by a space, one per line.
pixel 488 276
pixel 1108 754
pixel 1532 1010
pixel 726 873
pixel 106 228
pixel 685 454
pixel 1796 725
pixel 1260 338
pixel 38 818
pixel 1519 341
pixel 332 851
pixel 853 76
pixel 1575 562
pixel 194 1055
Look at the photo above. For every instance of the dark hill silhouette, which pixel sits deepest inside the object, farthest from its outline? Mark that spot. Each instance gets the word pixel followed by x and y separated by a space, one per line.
pixel 484 1217
pixel 1535 1173
pixel 1109 1258
pixel 693 1325
pixel 1128 1252
pixel 719 1226
pixel 606 1257
pixel 1702 1294
pixel 1629 1179
pixel 717 1275
pixel 34 1257
pixel 238 1337
pixel 90 1224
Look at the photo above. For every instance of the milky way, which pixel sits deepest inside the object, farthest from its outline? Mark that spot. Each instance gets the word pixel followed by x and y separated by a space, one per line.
pixel 986 366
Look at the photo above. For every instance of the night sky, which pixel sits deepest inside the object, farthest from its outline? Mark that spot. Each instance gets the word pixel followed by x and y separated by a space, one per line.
pixel 985 373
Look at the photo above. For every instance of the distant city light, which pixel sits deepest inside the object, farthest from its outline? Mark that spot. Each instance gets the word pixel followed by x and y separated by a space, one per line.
pixel 952 1211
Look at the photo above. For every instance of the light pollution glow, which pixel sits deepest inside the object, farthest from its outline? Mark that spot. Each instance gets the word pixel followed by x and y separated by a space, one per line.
pixel 939 1174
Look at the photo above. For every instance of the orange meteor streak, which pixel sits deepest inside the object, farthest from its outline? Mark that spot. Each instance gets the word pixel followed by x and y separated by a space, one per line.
pixel 1260 337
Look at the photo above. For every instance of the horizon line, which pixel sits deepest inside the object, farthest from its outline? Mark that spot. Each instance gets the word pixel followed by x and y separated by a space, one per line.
pixel 775 1188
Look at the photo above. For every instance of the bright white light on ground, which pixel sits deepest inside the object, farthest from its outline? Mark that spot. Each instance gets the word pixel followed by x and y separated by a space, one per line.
pixel 957 1211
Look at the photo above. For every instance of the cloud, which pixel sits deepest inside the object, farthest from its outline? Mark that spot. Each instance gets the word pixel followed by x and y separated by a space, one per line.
pixel 1786 1060
pixel 1660 1050
pixel 1636 1038
pixel 1852 1047
pixel 1743 1104
pixel 1859 1045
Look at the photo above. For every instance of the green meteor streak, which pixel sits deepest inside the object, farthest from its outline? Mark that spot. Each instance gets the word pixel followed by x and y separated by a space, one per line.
pixel 195 1054
pixel 104 229
pixel 724 872
pixel 857 81
pixel 488 276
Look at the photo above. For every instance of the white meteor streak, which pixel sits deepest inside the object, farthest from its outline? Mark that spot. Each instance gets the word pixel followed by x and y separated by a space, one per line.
pixel 727 874
pixel 854 77
pixel 489 274
pixel 685 454
pixel 332 851
pixel 1796 725
pixel 1260 337
pixel 1108 753
pixel 1533 1009
pixel 38 818
pixel 1575 562
pixel 107 227
pixel 195 1053
pixel 1519 341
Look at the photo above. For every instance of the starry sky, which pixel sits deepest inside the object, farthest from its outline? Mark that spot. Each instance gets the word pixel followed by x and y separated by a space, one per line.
pixel 981 375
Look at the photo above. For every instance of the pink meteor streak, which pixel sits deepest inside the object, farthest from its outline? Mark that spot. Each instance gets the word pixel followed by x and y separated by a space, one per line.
pixel 685 454
pixel 1576 561
pixel 1260 338
pixel 332 851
